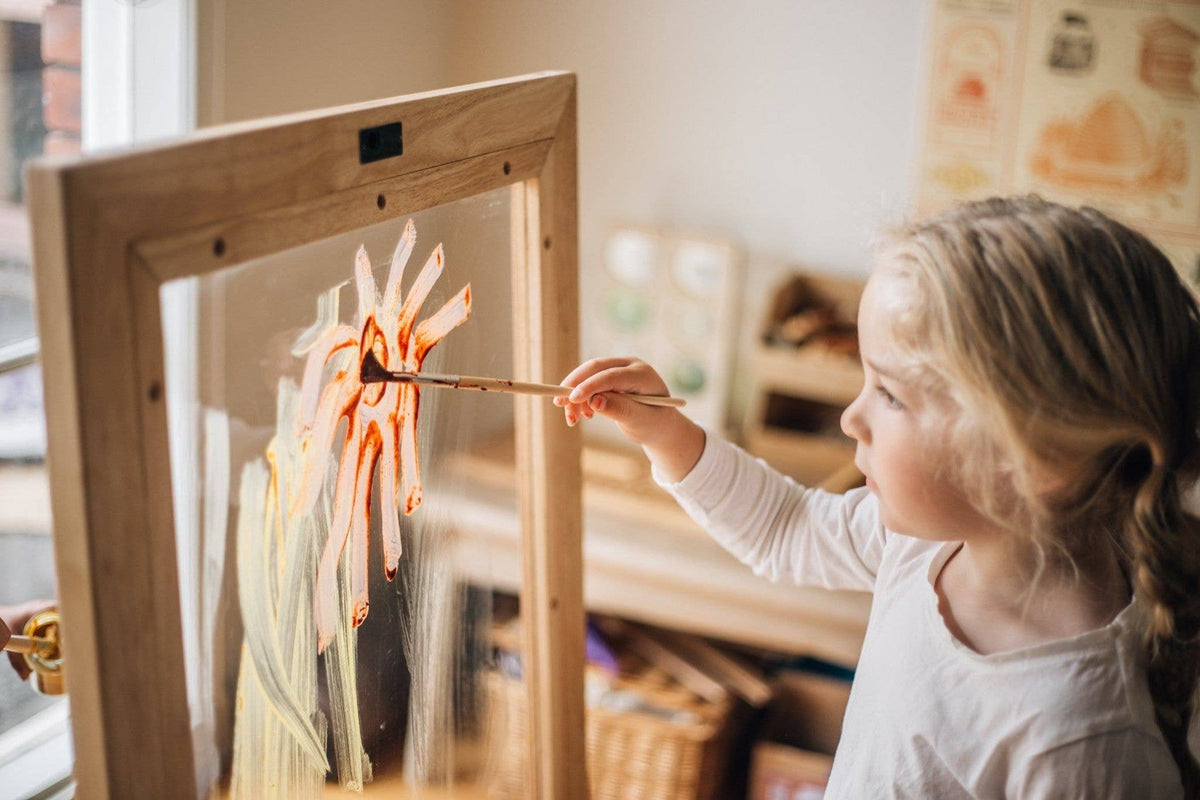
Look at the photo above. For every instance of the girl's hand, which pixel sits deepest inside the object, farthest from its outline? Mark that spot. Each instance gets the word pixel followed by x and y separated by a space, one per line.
pixel 672 441
pixel 594 383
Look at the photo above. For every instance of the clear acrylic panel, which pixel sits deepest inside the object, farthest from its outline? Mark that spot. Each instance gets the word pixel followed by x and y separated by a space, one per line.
pixel 298 488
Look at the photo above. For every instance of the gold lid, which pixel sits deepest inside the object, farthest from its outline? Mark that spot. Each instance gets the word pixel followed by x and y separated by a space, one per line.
pixel 46 662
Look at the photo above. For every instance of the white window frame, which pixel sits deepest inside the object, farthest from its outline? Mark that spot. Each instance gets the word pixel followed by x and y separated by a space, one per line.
pixel 138 84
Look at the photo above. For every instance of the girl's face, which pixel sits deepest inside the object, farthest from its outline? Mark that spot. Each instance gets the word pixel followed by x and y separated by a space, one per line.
pixel 901 428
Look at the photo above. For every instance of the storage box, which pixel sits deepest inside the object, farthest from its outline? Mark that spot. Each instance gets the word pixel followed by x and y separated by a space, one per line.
pixel 803 726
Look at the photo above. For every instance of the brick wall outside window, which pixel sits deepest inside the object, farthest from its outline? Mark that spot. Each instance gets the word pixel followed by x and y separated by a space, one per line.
pixel 61 87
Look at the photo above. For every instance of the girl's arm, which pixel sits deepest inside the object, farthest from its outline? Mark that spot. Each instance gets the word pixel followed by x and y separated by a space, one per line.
pixel 766 520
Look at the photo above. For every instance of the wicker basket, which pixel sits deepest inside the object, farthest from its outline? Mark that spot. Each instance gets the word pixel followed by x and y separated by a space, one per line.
pixel 631 755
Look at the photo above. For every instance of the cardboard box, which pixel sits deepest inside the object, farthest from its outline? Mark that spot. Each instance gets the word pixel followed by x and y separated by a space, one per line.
pixel 803 727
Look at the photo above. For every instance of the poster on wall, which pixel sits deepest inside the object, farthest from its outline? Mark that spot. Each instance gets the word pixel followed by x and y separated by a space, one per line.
pixel 1092 101
pixel 671 297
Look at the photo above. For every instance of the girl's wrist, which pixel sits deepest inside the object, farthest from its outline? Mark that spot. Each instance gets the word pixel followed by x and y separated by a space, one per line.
pixel 675 446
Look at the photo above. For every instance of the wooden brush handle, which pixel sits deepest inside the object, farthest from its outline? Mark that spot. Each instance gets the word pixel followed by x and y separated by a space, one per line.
pixel 551 390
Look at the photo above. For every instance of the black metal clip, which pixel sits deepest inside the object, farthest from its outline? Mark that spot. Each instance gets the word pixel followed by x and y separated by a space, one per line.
pixel 383 141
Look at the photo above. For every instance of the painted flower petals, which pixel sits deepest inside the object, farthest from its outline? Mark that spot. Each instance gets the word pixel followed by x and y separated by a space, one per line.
pixel 326 594
pixel 337 401
pixel 365 284
pixel 404 248
pixel 410 468
pixel 360 524
pixel 389 485
pixel 326 347
pixel 455 312
pixel 421 287
pixel 382 425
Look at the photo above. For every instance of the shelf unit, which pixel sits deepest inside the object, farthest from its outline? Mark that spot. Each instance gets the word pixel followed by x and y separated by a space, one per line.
pixel 799 392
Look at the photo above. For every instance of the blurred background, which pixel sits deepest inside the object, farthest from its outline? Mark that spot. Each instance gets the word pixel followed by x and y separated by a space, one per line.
pixel 789 129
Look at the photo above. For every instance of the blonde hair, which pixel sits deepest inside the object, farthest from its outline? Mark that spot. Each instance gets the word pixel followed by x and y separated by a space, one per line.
pixel 1071 348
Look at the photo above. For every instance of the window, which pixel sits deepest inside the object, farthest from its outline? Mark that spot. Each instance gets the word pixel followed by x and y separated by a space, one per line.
pixel 39 112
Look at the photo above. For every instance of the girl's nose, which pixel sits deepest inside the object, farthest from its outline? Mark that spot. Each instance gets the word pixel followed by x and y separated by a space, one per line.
pixel 852 421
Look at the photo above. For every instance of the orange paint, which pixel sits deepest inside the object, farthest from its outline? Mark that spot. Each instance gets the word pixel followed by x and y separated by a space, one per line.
pixel 381 432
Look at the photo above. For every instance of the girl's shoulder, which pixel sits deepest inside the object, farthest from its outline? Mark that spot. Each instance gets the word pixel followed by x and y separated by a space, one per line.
pixel 1091 684
pixel 1075 709
pixel 1092 717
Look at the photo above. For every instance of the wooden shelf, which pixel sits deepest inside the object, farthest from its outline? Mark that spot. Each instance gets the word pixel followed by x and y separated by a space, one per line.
pixel 808 372
pixel 807 458
pixel 801 389
pixel 645 560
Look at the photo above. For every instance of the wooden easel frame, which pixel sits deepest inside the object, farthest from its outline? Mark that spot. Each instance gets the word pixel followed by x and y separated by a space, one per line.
pixel 109 231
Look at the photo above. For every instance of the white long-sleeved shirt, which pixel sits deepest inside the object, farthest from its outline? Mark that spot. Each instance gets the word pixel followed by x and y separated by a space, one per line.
pixel 928 717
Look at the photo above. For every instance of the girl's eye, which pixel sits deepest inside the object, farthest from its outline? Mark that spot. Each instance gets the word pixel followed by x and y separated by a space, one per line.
pixel 889 398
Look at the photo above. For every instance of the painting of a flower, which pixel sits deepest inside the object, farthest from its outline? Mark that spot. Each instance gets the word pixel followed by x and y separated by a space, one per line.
pixel 381 420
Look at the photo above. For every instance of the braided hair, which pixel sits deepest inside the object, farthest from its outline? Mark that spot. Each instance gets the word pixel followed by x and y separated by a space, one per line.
pixel 1072 347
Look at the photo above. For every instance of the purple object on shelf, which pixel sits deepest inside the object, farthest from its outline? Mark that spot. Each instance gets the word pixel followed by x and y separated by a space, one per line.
pixel 598 651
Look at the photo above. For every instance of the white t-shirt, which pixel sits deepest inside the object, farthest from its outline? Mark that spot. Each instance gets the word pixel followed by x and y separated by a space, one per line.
pixel 929 717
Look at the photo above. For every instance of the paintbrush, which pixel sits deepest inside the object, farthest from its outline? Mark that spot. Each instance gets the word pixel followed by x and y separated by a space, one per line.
pixel 374 372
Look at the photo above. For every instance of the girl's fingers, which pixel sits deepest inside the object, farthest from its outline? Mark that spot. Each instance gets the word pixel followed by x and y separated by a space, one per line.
pixel 629 414
pixel 593 366
pixel 597 385
pixel 617 379
pixel 575 412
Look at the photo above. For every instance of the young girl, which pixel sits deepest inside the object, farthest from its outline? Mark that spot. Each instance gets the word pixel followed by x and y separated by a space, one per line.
pixel 1028 419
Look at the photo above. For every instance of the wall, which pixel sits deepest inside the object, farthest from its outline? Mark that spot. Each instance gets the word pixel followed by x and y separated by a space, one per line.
pixel 790 128
pixel 262 57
